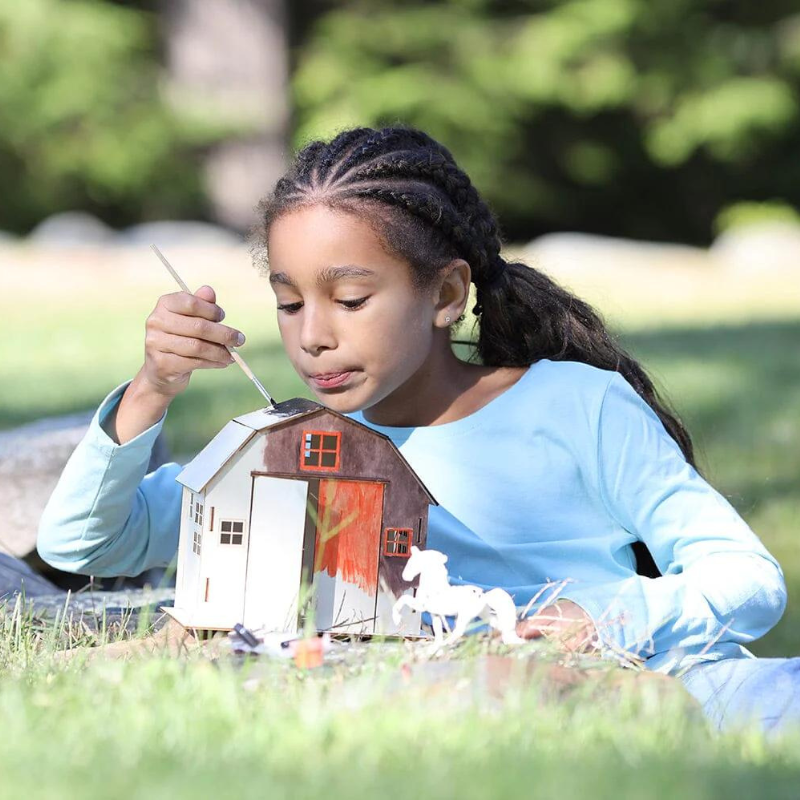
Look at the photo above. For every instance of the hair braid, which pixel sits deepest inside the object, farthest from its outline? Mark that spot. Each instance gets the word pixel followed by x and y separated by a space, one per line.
pixel 327 159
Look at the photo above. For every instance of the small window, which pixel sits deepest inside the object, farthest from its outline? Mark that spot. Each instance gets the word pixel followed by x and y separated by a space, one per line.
pixel 197 542
pixel 191 504
pixel 231 531
pixel 319 450
pixel 397 541
pixel 198 513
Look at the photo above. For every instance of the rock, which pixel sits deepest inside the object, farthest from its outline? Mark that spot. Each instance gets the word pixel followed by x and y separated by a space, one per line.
pixel 32 458
pixel 72 229
pixel 180 234
pixel 759 246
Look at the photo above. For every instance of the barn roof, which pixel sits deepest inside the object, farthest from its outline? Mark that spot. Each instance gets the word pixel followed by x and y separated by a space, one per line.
pixel 210 460
pixel 213 457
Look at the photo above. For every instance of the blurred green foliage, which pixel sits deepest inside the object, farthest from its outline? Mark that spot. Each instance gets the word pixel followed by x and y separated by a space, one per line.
pixel 634 117
pixel 82 121
pixel 739 215
pixel 642 118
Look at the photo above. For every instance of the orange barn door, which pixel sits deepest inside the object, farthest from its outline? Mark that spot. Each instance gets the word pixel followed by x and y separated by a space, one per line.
pixel 346 554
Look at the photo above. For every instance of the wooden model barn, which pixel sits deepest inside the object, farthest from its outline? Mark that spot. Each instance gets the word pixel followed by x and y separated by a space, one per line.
pixel 298 494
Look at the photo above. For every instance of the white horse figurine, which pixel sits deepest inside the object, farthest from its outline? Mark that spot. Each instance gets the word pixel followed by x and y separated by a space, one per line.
pixel 436 596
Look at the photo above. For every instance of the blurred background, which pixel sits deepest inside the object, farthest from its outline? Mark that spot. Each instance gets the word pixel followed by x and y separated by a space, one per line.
pixel 642 152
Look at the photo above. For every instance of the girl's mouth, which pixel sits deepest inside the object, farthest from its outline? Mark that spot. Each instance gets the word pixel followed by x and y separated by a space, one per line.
pixel 331 380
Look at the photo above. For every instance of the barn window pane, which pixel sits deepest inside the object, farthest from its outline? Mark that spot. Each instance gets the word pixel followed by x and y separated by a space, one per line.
pixel 225 538
pixel 321 450
pixel 397 541
pixel 238 527
pixel 236 538
pixel 226 525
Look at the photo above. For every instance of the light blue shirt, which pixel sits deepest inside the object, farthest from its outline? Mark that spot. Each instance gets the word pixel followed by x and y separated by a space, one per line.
pixel 545 487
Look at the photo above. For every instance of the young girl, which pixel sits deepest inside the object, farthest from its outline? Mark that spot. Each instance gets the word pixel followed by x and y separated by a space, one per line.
pixel 553 459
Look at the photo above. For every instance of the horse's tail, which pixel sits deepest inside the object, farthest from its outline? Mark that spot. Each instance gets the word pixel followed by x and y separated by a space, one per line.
pixel 503 614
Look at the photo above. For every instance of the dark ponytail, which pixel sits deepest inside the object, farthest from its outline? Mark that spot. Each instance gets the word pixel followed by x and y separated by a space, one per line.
pixel 426 210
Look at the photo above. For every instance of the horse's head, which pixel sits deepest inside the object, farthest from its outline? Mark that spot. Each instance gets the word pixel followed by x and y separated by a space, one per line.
pixel 419 560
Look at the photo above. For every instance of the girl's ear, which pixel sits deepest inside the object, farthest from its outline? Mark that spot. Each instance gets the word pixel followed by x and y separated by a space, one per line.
pixel 453 292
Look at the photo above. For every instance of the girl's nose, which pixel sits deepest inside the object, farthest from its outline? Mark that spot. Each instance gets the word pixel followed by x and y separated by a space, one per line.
pixel 316 333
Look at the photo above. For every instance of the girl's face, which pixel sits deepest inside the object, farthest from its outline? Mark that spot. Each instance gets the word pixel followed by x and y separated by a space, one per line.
pixel 348 310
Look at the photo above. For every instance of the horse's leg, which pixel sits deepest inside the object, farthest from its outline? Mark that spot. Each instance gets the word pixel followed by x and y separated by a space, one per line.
pixel 468 611
pixel 462 620
pixel 405 600
pixel 438 637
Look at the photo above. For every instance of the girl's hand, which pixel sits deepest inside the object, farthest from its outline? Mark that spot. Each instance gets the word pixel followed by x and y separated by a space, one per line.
pixel 183 333
pixel 564 621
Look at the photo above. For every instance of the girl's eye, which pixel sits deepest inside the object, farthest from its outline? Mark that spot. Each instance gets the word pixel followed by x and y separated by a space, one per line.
pixel 353 304
pixel 290 308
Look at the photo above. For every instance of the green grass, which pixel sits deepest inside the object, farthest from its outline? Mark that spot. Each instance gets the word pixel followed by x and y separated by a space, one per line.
pixel 162 727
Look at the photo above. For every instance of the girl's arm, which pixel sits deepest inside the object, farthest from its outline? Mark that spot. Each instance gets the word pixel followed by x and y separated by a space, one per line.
pixel 105 516
pixel 719 583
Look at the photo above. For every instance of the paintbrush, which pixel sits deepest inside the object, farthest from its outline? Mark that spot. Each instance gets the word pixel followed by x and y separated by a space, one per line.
pixel 236 357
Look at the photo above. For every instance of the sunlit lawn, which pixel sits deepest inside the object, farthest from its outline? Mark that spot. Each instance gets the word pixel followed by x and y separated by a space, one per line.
pixel 730 368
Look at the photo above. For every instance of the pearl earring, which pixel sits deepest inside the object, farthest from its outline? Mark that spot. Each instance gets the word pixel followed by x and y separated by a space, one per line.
pixel 447 319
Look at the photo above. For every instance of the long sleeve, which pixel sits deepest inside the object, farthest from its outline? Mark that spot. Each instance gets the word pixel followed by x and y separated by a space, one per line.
pixel 106 517
pixel 719 584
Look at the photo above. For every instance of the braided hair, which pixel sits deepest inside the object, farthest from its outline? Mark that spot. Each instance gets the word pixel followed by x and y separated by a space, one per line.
pixel 424 208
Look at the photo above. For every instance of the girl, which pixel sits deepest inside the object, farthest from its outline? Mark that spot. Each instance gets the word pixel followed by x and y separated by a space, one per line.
pixel 552 459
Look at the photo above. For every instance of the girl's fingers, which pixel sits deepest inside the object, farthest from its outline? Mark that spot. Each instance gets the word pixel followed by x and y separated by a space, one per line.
pixel 529 630
pixel 182 365
pixel 191 348
pixel 191 305
pixel 199 328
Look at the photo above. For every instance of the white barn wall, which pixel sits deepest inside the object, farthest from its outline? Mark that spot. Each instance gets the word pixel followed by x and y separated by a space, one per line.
pixel 188 573
pixel 224 566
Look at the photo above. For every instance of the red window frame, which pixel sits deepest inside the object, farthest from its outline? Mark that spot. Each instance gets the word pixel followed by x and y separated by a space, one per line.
pixel 409 540
pixel 306 448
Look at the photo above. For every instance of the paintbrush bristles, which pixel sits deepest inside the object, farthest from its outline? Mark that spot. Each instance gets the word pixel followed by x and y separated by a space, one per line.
pixel 236 357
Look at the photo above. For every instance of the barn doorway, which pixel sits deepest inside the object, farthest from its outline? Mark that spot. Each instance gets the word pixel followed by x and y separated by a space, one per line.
pixel 347 533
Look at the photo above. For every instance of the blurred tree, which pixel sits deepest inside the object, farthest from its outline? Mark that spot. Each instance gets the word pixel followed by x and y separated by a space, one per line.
pixel 231 56
pixel 631 117
pixel 82 121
